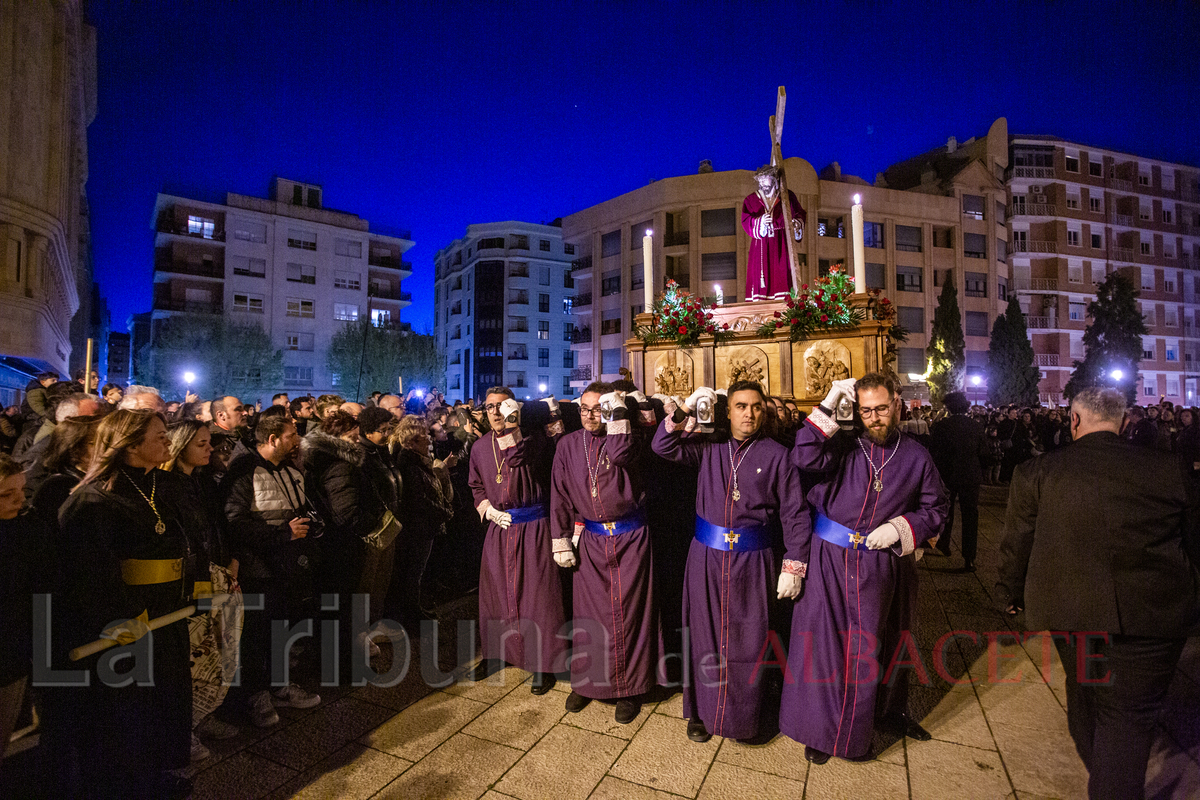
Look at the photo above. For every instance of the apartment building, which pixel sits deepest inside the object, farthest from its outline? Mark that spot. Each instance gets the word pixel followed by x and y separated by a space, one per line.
pixel 286 262
pixel 921 222
pixel 503 310
pixel 1078 213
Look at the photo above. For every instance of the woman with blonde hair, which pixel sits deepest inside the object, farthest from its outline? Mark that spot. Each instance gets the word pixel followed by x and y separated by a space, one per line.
pixel 424 513
pixel 126 559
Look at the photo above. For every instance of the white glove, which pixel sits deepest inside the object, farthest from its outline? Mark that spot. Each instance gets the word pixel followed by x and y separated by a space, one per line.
pixel 613 401
pixel 576 400
pixel 723 392
pixel 550 401
pixel 501 518
pixel 703 391
pixel 883 537
pixel 639 398
pixel 788 586
pixel 839 389
pixel 566 559
pixel 662 398
pixel 511 410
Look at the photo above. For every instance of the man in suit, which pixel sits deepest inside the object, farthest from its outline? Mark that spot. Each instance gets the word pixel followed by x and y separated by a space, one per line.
pixel 1101 542
pixel 958 445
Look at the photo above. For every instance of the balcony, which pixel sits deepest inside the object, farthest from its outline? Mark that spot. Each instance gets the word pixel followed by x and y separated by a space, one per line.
pixel 518 355
pixel 580 264
pixel 1041 323
pixel 1035 247
pixel 1047 359
pixel 519 327
pixel 205 269
pixel 390 262
pixel 581 336
pixel 582 300
pixel 518 298
pixel 1033 172
pixel 1121 219
pixel 1122 254
pixel 1120 185
pixel 1189 262
pixel 191 306
pixel 168 226
pixel 676 239
pixel 388 294
pixel 582 373
pixel 456 309
pixel 1032 210
pixel 1036 284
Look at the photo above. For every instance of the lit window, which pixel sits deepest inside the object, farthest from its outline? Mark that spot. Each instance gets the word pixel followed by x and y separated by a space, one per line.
pixel 201 226
pixel 345 311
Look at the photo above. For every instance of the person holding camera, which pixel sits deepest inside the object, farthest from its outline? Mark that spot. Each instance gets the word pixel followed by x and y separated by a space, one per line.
pixel 749 503
pixel 268 521
pixel 598 499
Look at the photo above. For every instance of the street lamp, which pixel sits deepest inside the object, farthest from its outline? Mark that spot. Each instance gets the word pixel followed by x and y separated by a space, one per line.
pixel 1117 374
pixel 542 388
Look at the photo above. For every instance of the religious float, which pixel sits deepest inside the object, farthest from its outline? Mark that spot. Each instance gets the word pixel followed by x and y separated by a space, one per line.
pixel 796 343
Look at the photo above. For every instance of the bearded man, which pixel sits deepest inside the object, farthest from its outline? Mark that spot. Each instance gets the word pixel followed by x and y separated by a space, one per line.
pixel 598 494
pixel 749 503
pixel 877 497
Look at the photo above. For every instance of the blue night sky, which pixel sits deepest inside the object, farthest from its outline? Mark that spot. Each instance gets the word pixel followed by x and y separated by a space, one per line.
pixel 432 116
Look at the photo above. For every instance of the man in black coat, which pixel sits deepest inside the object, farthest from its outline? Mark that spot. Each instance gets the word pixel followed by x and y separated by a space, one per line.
pixel 958 445
pixel 1101 543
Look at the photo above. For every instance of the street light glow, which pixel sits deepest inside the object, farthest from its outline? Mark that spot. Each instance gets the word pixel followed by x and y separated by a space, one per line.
pixel 542 388
pixel 1117 374
pixel 189 376
pixel 976 380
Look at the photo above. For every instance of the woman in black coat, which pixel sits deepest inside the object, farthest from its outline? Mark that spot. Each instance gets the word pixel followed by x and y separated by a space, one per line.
pixel 426 509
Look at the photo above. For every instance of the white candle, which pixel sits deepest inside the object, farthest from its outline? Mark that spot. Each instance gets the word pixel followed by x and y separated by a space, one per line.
pixel 648 270
pixel 856 226
pixel 720 294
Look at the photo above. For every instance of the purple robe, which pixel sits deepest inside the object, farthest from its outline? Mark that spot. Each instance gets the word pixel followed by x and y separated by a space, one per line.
pixel 858 606
pixel 727 595
pixel 768 274
pixel 617 638
pixel 521 612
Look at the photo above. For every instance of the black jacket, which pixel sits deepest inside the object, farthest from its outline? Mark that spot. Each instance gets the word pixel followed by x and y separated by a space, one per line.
pixel 958 445
pixel 425 509
pixel 1102 536
pixel 26 568
pixel 336 484
pixel 383 475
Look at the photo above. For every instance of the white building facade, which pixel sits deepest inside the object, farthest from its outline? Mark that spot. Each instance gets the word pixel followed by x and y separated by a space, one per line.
pixel 502 296
pixel 287 262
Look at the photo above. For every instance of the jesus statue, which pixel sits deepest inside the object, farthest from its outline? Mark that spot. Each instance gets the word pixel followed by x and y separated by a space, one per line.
pixel 768 273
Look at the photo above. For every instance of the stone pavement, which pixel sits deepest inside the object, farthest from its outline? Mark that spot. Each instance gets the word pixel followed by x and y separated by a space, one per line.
pixel 1003 738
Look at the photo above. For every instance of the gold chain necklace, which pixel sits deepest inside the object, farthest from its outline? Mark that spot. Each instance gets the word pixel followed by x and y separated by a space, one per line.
pixel 159 527
pixel 496 457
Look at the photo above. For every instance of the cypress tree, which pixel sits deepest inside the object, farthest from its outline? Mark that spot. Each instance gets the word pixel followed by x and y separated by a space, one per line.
pixel 1113 340
pixel 1012 374
pixel 947 350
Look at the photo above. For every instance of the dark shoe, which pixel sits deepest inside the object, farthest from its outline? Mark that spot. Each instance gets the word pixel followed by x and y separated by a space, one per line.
pixel 484 669
pixel 627 709
pixel 968 566
pixel 542 683
pixel 816 756
pixel 577 702
pixel 697 732
pixel 903 725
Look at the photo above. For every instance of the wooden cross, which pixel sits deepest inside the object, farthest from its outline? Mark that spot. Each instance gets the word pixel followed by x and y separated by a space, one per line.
pixel 776 126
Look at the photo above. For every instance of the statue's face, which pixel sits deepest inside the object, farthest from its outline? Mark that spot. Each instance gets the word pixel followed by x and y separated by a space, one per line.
pixel 766 184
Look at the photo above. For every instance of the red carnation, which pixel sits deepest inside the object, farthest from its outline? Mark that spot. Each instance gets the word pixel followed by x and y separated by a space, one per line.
pixel 820 304
pixel 682 329
pixel 804 286
pixel 885 301
pixel 791 303
pixel 778 322
pixel 778 315
pixel 795 320
pixel 824 318
pixel 725 327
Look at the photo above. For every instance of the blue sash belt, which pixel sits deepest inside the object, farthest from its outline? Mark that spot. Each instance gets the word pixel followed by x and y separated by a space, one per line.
pixel 527 514
pixel 836 533
pixel 738 540
pixel 631 523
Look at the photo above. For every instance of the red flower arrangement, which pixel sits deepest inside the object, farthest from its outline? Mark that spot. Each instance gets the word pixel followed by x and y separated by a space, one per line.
pixel 682 318
pixel 826 305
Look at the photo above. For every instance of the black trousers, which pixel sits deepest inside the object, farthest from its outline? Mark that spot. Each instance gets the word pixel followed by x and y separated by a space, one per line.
pixel 1112 717
pixel 968 500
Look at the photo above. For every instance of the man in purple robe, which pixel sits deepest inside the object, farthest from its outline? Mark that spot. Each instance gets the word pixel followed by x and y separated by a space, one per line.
pixel 597 491
pixel 768 272
pixel 877 497
pixel 749 504
pixel 520 595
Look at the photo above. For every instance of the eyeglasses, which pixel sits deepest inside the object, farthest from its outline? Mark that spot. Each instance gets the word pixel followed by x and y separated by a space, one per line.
pixel 593 411
pixel 877 411
pixel 490 407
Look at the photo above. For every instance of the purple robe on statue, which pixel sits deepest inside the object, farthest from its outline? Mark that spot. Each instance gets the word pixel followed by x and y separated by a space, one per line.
pixel 768 275
pixel 727 595
pixel 617 638
pixel 858 611
pixel 520 596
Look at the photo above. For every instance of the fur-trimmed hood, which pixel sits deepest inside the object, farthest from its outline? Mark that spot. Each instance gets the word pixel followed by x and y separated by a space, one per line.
pixel 319 442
